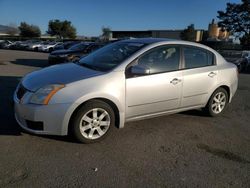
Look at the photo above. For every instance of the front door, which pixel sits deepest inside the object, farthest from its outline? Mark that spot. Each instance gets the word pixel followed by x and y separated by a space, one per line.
pixel 160 89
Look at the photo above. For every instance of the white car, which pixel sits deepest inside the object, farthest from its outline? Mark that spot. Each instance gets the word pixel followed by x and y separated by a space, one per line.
pixel 48 47
pixel 35 46
pixel 121 82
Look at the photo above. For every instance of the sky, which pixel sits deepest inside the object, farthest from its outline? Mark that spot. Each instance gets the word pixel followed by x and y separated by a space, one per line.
pixel 89 16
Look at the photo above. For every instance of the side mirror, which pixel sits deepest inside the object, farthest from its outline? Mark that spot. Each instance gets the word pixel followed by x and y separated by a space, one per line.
pixel 139 70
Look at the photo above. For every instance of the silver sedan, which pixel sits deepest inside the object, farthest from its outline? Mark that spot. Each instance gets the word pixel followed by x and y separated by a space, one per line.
pixel 124 81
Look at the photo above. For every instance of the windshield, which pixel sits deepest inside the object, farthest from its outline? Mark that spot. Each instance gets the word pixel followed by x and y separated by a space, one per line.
pixel 110 56
pixel 81 46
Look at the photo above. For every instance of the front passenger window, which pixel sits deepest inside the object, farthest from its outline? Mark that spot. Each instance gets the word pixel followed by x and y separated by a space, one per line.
pixel 161 59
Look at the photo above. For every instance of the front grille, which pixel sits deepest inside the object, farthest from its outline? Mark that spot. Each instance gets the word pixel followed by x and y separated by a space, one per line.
pixel 20 91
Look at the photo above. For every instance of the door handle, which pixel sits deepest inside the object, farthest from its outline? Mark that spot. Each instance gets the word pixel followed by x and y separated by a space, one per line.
pixel 175 81
pixel 212 74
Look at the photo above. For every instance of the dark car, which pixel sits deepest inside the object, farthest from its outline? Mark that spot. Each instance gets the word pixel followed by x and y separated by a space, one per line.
pixel 15 45
pixel 73 53
pixel 237 58
pixel 5 44
pixel 66 45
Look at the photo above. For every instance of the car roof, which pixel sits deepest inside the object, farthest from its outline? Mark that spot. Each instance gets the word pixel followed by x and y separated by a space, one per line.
pixel 152 41
pixel 155 42
pixel 148 40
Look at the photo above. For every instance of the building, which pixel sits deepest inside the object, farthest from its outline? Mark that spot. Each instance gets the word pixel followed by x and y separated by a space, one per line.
pixel 171 34
pixel 129 34
pixel 216 33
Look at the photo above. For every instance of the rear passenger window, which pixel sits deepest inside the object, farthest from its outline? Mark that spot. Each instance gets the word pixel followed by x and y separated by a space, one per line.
pixel 195 57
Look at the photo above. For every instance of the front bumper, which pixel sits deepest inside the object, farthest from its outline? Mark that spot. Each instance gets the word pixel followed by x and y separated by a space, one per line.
pixel 51 116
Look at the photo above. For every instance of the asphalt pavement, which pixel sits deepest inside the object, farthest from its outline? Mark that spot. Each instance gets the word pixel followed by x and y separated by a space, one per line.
pixel 182 150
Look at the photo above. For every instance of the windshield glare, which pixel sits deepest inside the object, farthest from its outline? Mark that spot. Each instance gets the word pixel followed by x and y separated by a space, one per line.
pixel 110 56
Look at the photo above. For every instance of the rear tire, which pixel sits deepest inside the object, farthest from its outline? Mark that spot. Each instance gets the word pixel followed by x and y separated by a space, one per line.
pixel 93 122
pixel 217 102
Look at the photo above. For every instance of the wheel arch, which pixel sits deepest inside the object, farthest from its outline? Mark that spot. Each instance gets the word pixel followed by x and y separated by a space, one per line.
pixel 227 90
pixel 118 117
pixel 226 87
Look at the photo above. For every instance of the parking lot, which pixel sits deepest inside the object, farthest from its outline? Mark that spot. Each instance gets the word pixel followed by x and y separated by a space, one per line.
pixel 182 150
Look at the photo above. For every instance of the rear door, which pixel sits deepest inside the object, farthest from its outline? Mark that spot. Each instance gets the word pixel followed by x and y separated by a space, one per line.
pixel 199 75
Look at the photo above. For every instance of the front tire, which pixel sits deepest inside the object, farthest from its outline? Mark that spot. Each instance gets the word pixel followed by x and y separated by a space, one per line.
pixel 93 122
pixel 217 102
pixel 50 50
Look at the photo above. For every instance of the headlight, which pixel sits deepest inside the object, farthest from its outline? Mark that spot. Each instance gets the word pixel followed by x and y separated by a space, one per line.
pixel 44 94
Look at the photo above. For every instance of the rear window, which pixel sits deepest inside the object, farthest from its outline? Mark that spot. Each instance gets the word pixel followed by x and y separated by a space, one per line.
pixel 196 57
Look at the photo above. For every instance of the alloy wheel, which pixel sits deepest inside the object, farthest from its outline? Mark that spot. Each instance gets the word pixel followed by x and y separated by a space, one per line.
pixel 219 102
pixel 95 123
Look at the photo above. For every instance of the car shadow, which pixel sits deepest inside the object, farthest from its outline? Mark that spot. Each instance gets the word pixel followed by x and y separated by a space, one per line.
pixel 8 125
pixel 66 138
pixel 246 71
pixel 198 112
pixel 32 62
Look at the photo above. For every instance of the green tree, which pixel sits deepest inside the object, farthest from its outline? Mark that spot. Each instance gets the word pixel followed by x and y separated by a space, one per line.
pixel 189 33
pixel 27 30
pixel 236 19
pixel 61 29
pixel 106 31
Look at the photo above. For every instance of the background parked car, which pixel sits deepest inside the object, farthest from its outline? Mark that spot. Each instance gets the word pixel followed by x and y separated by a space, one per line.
pixel 74 53
pixel 5 44
pixel 1 42
pixel 66 45
pixel 15 45
pixel 36 45
pixel 48 47
pixel 21 45
pixel 246 55
pixel 24 45
pixel 238 58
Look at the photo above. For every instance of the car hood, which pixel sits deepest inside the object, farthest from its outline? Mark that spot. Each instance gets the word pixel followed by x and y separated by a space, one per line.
pixel 57 74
